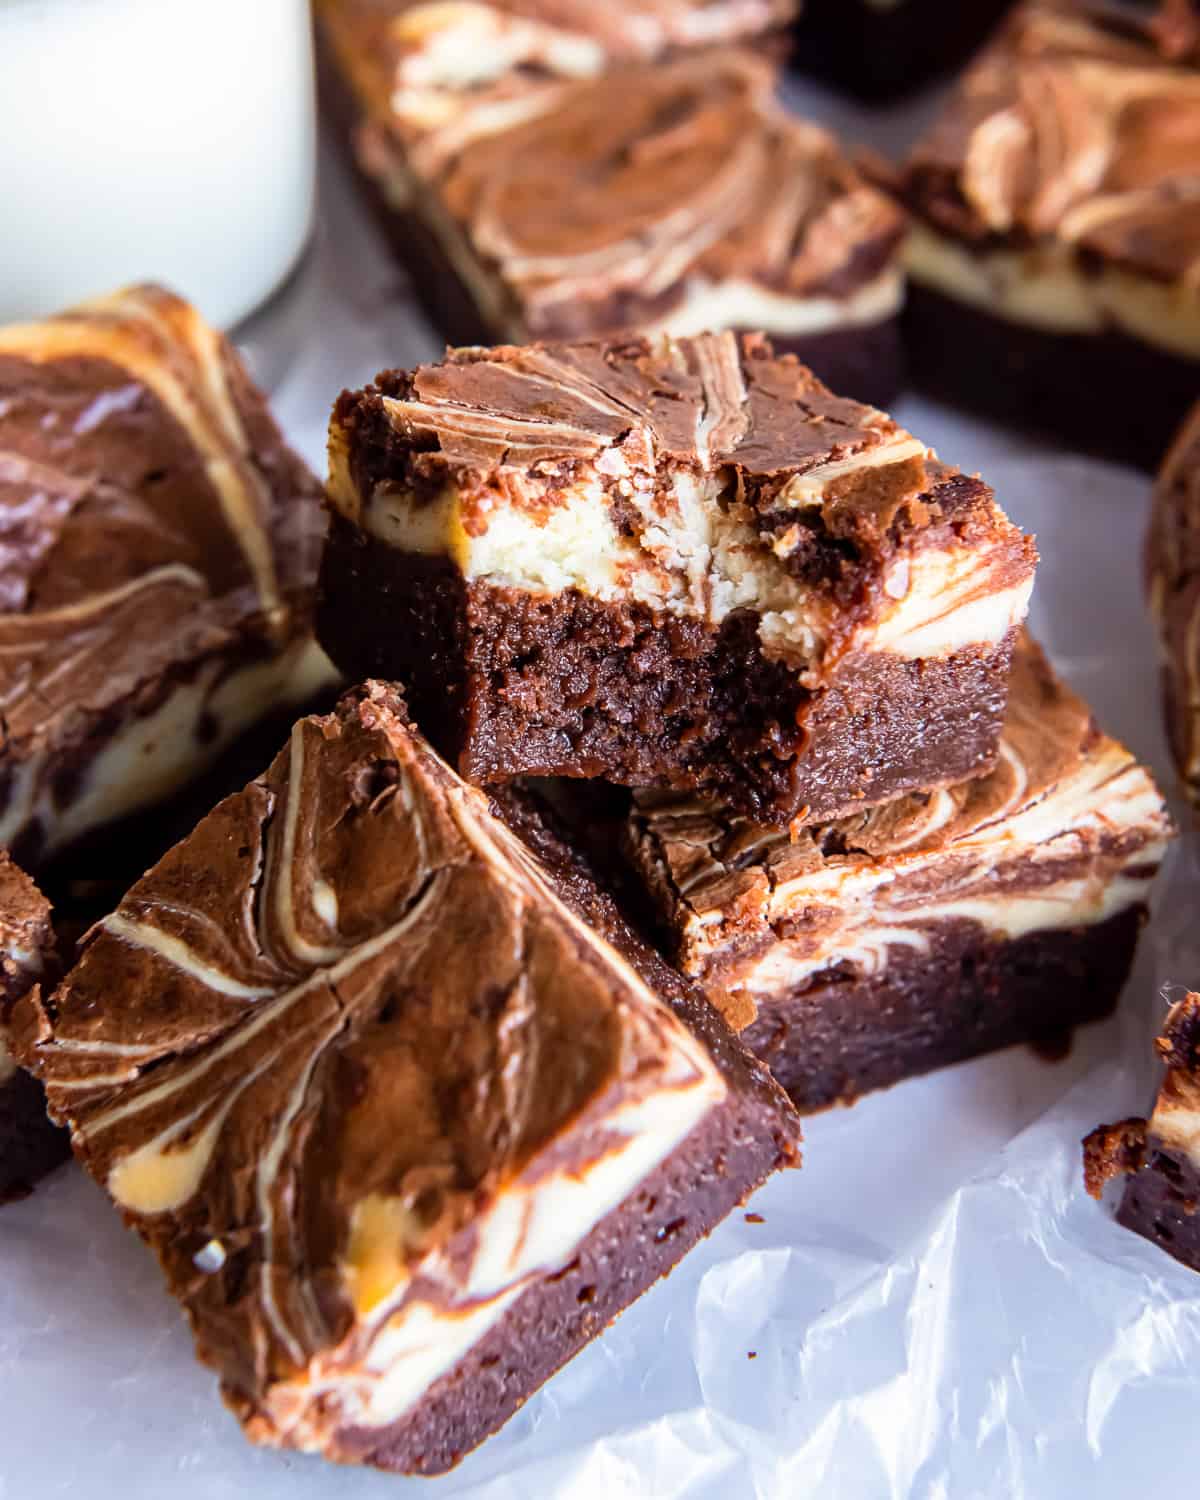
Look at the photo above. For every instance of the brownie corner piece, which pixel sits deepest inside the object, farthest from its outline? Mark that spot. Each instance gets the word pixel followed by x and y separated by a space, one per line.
pixel 1158 1158
pixel 676 563
pixel 855 953
pixel 30 1145
pixel 406 1113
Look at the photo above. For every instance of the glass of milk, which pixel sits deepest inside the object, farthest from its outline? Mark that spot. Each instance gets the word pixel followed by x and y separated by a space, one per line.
pixel 154 140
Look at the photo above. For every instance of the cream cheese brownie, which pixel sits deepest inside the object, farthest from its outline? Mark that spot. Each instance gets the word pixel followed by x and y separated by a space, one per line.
pixel 1173 589
pixel 29 1144
pixel 1055 247
pixel 678 197
pixel 670 563
pixel 855 953
pixel 1160 1158
pixel 158 556
pixel 404 1128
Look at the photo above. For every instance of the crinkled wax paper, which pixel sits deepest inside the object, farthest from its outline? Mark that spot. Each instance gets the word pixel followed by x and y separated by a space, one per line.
pixel 931 1308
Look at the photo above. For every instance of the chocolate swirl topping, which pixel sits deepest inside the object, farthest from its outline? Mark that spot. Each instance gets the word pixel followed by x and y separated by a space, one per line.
pixel 1080 124
pixel 632 184
pixel 490 417
pixel 691 171
pixel 354 1023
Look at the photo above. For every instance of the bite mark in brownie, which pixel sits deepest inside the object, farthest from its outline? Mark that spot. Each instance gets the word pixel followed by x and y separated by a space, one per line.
pixel 1055 199
pixel 857 952
pixel 29 1144
pixel 404 1127
pixel 158 552
pixel 1159 1158
pixel 673 562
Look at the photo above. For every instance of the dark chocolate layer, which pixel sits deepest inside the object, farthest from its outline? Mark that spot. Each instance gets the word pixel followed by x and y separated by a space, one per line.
pixel 881 51
pixel 508 683
pixel 622 1257
pixel 30 1146
pixel 1156 1156
pixel 838 1039
pixel 1107 393
pixel 1162 1202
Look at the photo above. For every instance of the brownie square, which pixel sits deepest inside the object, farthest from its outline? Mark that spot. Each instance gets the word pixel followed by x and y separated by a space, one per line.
pixel 675 196
pixel 157 567
pixel 855 953
pixel 670 563
pixel 405 1110
pixel 1055 243
pixel 1160 1158
pixel 29 1144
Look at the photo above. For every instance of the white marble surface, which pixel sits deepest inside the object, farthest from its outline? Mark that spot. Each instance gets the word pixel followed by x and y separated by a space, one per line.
pixel 935 1307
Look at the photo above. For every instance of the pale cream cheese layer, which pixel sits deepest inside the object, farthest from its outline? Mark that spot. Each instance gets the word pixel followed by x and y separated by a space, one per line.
pixel 709 306
pixel 693 557
pixel 1045 288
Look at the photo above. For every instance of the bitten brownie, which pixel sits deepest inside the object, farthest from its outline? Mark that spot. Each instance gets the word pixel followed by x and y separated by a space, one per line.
pixel 1160 1158
pixel 159 557
pixel 404 1128
pixel 879 50
pixel 1055 248
pixel 1173 588
pixel 856 953
pixel 670 563
pixel 678 197
pixel 29 1144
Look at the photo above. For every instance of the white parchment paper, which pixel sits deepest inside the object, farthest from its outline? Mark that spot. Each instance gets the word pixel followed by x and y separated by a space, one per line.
pixel 931 1308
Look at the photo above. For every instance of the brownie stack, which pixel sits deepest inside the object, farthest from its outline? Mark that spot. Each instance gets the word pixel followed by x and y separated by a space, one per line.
pixel 864 814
